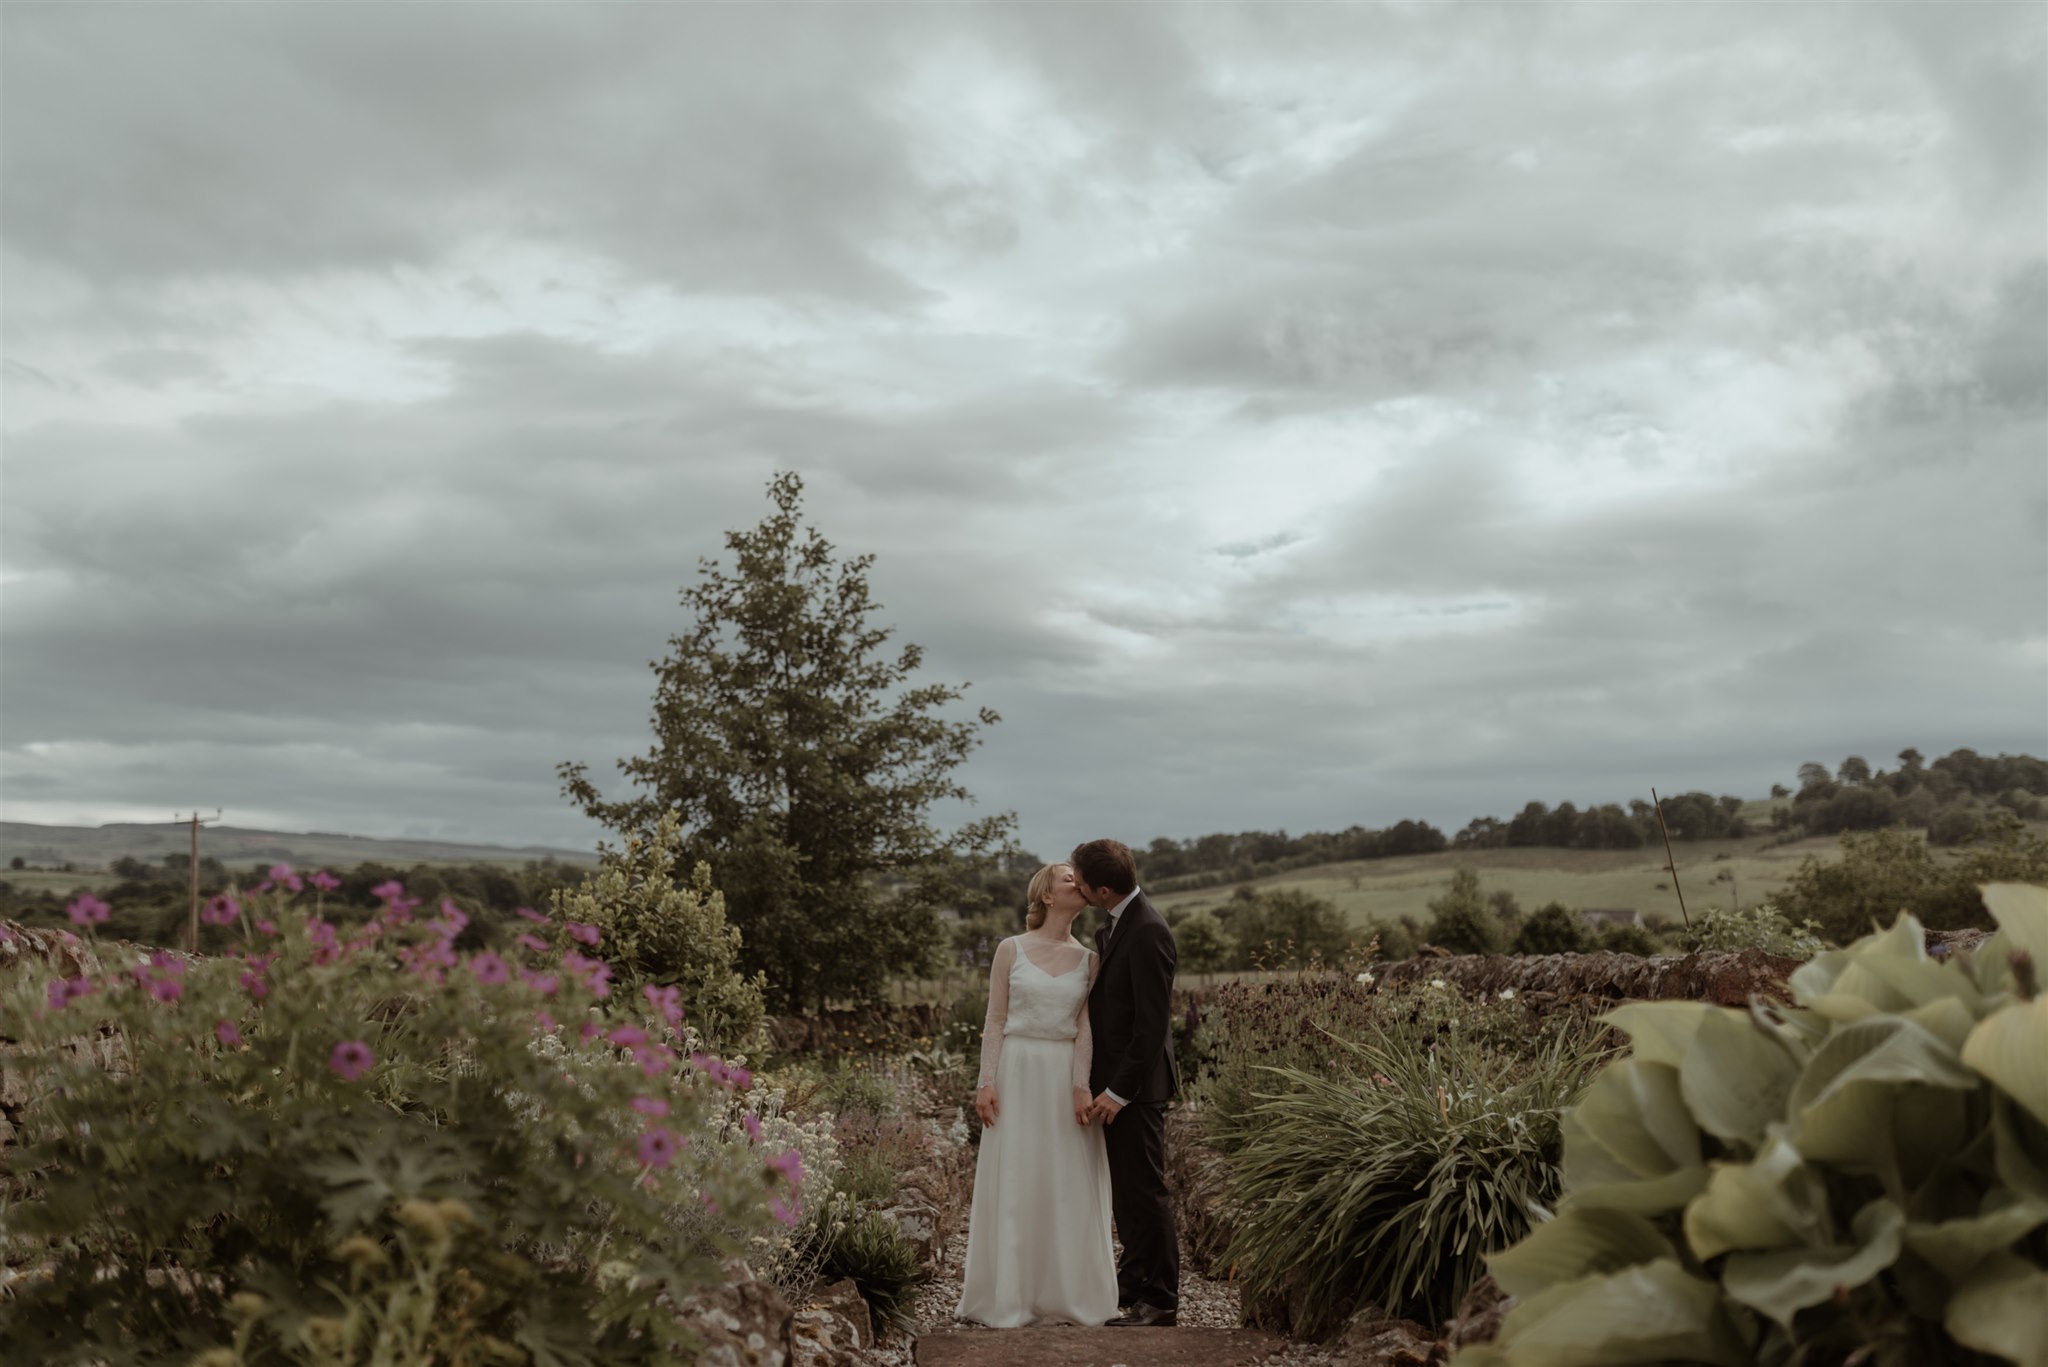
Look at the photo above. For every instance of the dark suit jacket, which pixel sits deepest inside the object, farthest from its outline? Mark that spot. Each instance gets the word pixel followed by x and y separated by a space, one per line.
pixel 1130 1008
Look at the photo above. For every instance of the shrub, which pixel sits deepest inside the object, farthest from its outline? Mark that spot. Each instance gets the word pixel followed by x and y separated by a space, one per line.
pixel 1554 929
pixel 658 933
pixel 1385 1181
pixel 1882 873
pixel 1761 927
pixel 866 1246
pixel 1461 919
pixel 1625 937
pixel 1202 944
pixel 317 1142
pixel 1287 928
pixel 1860 1178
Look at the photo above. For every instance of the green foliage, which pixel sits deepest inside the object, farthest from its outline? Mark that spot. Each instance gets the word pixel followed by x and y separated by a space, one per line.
pixel 868 1247
pixel 1625 937
pixel 1554 929
pixel 1384 1179
pixel 661 934
pixel 1286 928
pixel 1396 940
pixel 332 1143
pixel 1202 944
pixel 1463 921
pixel 1760 927
pixel 1882 873
pixel 805 764
pixel 1860 1178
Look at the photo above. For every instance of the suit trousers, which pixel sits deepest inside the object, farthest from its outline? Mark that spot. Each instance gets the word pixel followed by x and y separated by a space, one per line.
pixel 1148 1273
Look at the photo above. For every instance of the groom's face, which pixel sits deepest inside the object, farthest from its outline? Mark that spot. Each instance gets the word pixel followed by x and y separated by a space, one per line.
pixel 1092 895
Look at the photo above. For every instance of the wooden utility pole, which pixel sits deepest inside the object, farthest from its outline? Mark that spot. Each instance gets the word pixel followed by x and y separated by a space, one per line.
pixel 1669 862
pixel 192 943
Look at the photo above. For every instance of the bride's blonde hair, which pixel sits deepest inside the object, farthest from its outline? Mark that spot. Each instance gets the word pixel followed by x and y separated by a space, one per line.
pixel 1038 894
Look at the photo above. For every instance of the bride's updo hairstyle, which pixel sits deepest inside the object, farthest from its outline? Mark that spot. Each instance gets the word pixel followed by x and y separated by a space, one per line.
pixel 1036 896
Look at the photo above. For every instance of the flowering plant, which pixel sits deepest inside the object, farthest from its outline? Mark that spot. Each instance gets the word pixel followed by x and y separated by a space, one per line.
pixel 343 1146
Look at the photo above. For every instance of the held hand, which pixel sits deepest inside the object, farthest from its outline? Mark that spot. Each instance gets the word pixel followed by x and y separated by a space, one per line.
pixel 1084 1107
pixel 1105 1107
pixel 985 1105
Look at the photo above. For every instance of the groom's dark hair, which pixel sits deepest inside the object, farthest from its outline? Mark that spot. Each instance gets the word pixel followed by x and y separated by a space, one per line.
pixel 1106 864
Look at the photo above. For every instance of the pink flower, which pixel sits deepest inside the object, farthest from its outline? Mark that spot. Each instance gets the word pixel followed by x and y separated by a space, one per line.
pixel 587 934
pixel 666 1000
pixel 164 989
pixel 544 1021
pixel 790 1164
pixel 226 1033
pixel 351 1058
pixel 324 880
pixel 543 983
pixel 530 914
pixel 255 986
pixel 265 886
pixel 657 1148
pixel 654 1059
pixel 161 976
pixel 389 891
pixel 266 926
pixel 533 942
pixel 64 991
pixel 88 910
pixel 221 910
pixel 489 968
pixel 627 1036
pixel 751 1123
pixel 594 974
pixel 650 1105
pixel 786 1214
pixel 453 920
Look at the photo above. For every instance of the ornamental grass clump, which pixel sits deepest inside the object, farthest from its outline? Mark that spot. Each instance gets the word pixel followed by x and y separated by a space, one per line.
pixel 1859 1179
pixel 1385 1181
pixel 369 1146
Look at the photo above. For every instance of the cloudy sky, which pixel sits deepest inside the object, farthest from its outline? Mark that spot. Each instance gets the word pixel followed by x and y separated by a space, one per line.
pixel 1285 416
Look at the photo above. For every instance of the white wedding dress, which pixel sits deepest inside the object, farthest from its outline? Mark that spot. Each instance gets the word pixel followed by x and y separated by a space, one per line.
pixel 1038 1235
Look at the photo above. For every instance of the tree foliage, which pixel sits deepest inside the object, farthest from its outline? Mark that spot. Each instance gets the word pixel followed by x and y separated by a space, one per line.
pixel 1554 928
pixel 803 764
pixel 1461 919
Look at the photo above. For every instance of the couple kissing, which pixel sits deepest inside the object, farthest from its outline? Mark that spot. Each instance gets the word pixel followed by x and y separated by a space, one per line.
pixel 1076 1072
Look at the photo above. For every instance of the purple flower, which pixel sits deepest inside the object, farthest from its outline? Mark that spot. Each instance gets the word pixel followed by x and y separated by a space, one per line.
pixel 751 1123
pixel 790 1164
pixel 530 914
pixel 627 1036
pixel 657 1148
pixel 544 1021
pixel 388 891
pixel 324 880
pixel 650 1105
pixel 165 989
pixel 453 920
pixel 255 986
pixel 265 926
pixel 221 910
pixel 587 934
pixel 64 991
pixel 786 1214
pixel 88 910
pixel 533 942
pixel 543 983
pixel 654 1059
pixel 666 1000
pixel 489 968
pixel 225 1032
pixel 351 1058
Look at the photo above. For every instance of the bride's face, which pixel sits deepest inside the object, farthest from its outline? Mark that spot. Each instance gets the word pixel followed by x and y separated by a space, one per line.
pixel 1065 893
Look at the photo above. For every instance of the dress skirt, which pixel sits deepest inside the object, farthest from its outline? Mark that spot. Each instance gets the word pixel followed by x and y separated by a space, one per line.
pixel 1038 1232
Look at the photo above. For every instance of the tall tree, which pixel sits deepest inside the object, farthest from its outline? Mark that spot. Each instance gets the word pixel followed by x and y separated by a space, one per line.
pixel 803 765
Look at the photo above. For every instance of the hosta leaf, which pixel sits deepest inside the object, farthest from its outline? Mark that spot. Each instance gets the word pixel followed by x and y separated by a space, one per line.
pixel 1654 1312
pixel 1947 1019
pixel 1582 1240
pixel 2021 910
pixel 1782 1284
pixel 1842 1103
pixel 2003 1309
pixel 1774 1202
pixel 2010 1047
pixel 1955 1247
pixel 2018 1145
pixel 1659 1032
pixel 1635 1113
pixel 1734 1078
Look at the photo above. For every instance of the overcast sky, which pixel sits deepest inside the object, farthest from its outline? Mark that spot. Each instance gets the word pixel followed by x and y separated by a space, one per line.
pixel 1286 416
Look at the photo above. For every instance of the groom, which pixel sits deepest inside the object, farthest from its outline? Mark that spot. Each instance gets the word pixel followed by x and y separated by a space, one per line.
pixel 1133 1077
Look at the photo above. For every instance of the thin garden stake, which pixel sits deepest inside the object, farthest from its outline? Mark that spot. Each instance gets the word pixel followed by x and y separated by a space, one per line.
pixel 196 819
pixel 1670 862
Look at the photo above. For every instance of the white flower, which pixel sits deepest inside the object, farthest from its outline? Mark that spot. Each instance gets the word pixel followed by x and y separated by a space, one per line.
pixel 1507 994
pixel 1365 978
pixel 1437 982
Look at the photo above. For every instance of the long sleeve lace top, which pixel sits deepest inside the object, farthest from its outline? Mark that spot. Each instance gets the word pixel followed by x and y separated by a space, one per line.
pixel 1040 991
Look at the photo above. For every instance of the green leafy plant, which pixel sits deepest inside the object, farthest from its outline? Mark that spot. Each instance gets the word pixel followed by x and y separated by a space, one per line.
pixel 327 1149
pixel 1463 921
pixel 1760 927
pixel 1554 928
pixel 1385 1182
pixel 866 1246
pixel 1860 1178
pixel 658 932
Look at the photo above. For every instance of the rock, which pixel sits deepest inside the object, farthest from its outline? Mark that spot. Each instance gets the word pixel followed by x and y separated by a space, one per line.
pixel 833 1328
pixel 1479 1315
pixel 742 1322
pixel 1194 1177
pixel 1372 1341
pixel 918 1222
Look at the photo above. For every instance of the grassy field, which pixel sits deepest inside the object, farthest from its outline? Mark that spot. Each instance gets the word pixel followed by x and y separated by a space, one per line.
pixel 1710 872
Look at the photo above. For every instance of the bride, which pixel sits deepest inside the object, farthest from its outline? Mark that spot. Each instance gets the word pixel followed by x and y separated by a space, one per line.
pixel 1038 1239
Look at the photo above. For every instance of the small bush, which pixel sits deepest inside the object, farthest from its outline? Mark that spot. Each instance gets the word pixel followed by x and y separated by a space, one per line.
pixel 1554 929
pixel 1858 1179
pixel 1202 944
pixel 1462 920
pixel 1396 940
pixel 1287 928
pixel 868 1247
pixel 1760 927
pixel 1625 937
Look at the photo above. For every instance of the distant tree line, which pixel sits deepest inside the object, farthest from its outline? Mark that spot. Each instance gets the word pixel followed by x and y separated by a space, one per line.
pixel 1952 799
